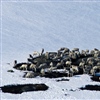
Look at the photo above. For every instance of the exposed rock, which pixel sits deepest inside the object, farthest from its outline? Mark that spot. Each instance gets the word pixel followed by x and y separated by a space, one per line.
pixel 20 88
pixel 62 80
pixel 10 71
pixel 55 74
pixel 91 87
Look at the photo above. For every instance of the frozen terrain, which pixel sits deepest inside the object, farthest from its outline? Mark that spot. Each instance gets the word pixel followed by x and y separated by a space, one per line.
pixel 30 26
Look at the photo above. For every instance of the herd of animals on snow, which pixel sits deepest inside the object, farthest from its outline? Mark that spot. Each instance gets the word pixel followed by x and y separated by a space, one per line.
pixel 70 62
pixel 63 63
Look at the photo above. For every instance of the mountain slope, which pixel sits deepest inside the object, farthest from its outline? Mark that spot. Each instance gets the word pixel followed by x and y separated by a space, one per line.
pixel 31 26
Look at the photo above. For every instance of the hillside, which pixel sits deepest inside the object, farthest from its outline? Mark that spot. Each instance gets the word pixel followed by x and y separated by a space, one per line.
pixel 30 26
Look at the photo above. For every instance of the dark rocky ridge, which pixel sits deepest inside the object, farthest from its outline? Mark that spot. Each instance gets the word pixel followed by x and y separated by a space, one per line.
pixel 91 87
pixel 20 88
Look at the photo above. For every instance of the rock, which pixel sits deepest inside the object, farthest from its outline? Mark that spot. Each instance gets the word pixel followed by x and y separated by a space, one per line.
pixel 91 87
pixel 20 88
pixel 62 80
pixel 10 71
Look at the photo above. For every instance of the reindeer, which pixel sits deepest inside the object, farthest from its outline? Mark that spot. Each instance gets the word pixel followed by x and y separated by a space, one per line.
pixel 52 67
pixel 33 67
pixel 36 53
pixel 42 72
pixel 29 75
pixel 15 62
pixel 95 69
pixel 24 67
pixel 74 69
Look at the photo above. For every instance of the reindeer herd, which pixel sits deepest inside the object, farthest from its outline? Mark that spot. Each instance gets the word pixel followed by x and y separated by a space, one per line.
pixel 72 62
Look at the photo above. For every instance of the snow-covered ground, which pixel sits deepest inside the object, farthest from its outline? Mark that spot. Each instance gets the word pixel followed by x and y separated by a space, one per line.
pixel 57 90
pixel 28 26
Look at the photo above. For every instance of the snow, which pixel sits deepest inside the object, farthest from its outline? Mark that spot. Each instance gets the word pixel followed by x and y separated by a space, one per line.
pixel 30 26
